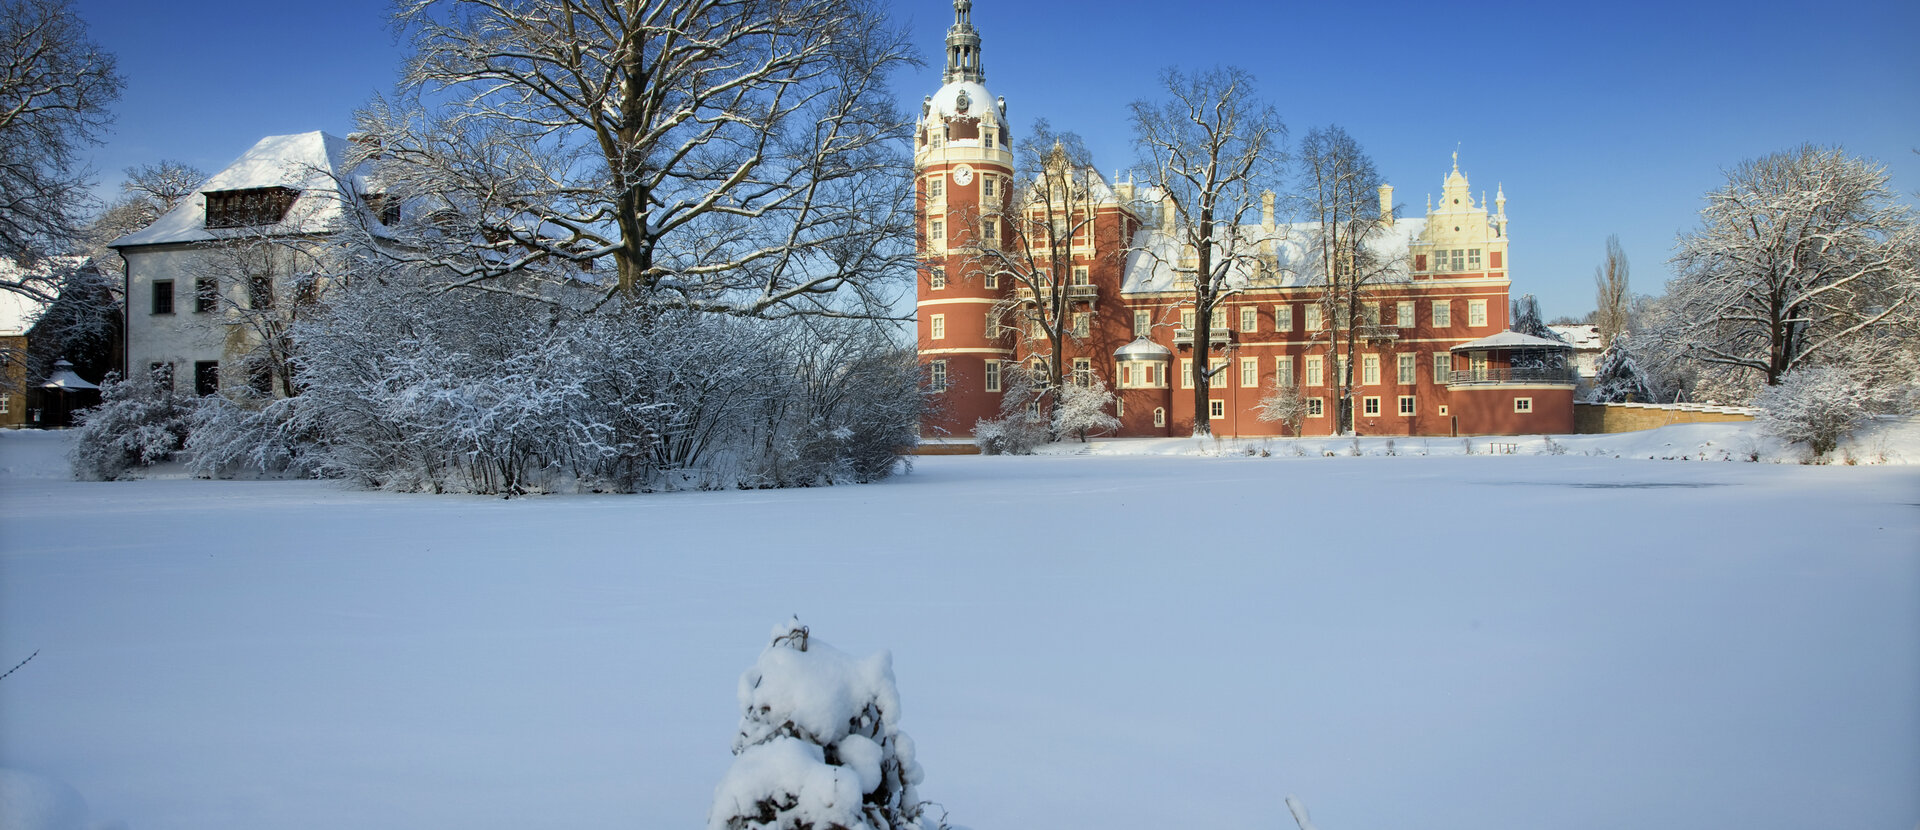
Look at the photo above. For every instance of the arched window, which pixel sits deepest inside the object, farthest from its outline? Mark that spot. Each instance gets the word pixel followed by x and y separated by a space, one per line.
pixel 1159 416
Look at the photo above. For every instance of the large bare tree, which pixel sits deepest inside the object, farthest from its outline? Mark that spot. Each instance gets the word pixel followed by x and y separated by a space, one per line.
pixel 1799 256
pixel 55 85
pixel 737 156
pixel 1340 194
pixel 1050 212
pixel 1209 149
pixel 1612 296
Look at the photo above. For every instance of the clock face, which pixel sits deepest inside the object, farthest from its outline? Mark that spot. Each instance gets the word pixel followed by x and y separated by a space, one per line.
pixel 962 174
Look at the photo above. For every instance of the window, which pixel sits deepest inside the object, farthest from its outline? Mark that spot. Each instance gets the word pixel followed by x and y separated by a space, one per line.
pixel 1082 371
pixel 1403 314
pixel 1126 376
pixel 1082 323
pixel 1283 371
pixel 162 374
pixel 1523 405
pixel 1249 319
pixel 937 187
pixel 1442 367
pixel 1316 408
pixel 938 327
pixel 993 376
pixel 1219 319
pixel 1186 374
pixel 1119 408
pixel 1473 259
pixel 206 377
pixel 1039 329
pixel 993 323
pixel 1315 375
pixel 206 295
pixel 993 280
pixel 989 227
pixel 1443 409
pixel 1249 372
pixel 1080 276
pixel 1372 312
pixel 1476 312
pixel 1142 323
pixel 1159 416
pixel 937 376
pixel 937 278
pixel 1405 372
pixel 163 296
pixel 1186 319
pixel 1340 373
pixel 1370 406
pixel 1370 369
pixel 1283 318
pixel 1217 372
pixel 936 230
pixel 1442 313
pixel 1313 318
pixel 987 135
pixel 1459 262
pixel 1156 376
pixel 6 403
pixel 986 182
pixel 1216 408
pixel 1406 405
pixel 260 291
pixel 252 206
pixel 385 208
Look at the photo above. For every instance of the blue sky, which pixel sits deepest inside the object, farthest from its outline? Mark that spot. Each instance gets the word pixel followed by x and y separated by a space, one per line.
pixel 1598 119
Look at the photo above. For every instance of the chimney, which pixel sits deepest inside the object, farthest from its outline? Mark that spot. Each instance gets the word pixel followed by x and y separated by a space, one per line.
pixel 1386 205
pixel 1166 211
pixel 1266 209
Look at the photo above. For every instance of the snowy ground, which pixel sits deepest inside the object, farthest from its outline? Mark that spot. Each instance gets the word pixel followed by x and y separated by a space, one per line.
pixel 1572 642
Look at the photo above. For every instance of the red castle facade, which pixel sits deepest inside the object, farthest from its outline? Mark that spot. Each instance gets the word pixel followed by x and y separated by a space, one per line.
pixel 1436 358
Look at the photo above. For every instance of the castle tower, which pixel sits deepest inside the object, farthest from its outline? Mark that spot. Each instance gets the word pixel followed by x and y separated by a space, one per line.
pixel 964 174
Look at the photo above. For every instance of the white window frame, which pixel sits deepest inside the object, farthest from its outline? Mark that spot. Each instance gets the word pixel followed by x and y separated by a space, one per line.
pixel 1403 314
pixel 1313 318
pixel 1142 323
pixel 1476 313
pixel 1523 406
pixel 1186 373
pixel 1216 409
pixel 993 375
pixel 937 187
pixel 1408 406
pixel 1249 319
pixel 1405 368
pixel 1442 368
pixel 937 279
pixel 1283 371
pixel 1082 324
pixel 1369 370
pixel 1316 374
pixel 1249 372
pixel 937 376
pixel 1283 318
pixel 1316 407
pixel 937 327
pixel 1159 416
pixel 1442 314
pixel 992 280
pixel 1083 371
pixel 1370 406
pixel 937 230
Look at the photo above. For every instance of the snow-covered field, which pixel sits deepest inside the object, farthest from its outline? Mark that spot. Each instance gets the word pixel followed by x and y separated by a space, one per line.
pixel 1572 642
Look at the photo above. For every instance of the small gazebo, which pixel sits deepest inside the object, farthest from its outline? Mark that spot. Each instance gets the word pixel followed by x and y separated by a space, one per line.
pixel 63 393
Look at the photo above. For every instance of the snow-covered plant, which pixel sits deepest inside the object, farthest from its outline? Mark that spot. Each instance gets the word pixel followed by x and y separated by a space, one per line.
pixel 140 422
pixel 1817 406
pixel 1618 378
pixel 819 745
pixel 1084 409
pixel 1020 427
pixel 1284 404
pixel 227 439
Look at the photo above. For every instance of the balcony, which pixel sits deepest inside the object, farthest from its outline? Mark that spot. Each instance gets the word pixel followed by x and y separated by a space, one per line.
pixel 1215 335
pixel 1376 333
pixel 1500 377
pixel 1087 293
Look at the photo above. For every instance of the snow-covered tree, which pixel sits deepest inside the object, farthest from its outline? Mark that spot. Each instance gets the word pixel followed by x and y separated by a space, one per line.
pixel 55 85
pixel 1818 406
pixel 819 745
pixel 140 422
pixel 1210 150
pixel 1612 295
pixel 1021 427
pixel 1618 378
pixel 743 158
pixel 1284 404
pixel 1082 409
pixel 1340 191
pixel 1798 255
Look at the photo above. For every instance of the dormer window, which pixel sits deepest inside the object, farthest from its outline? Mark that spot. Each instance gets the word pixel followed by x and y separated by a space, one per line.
pixel 385 208
pixel 253 206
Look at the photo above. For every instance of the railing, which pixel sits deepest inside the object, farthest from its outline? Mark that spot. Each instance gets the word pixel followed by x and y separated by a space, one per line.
pixel 1083 292
pixel 1214 335
pixel 1375 333
pixel 1494 377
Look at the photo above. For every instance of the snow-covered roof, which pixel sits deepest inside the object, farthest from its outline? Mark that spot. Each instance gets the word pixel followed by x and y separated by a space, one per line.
pixel 1511 340
pixel 1581 336
pixel 64 378
pixel 1142 349
pixel 946 102
pixel 313 163
pixel 1153 261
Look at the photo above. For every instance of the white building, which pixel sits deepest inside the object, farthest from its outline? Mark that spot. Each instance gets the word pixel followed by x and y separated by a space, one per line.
pixel 212 282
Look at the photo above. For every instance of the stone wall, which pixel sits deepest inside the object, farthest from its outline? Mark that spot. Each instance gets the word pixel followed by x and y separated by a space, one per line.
pixel 1590 418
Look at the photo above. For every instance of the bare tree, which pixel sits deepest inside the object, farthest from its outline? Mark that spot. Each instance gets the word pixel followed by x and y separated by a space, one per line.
pixel 1612 298
pixel 1050 212
pixel 1339 190
pixel 55 85
pixel 1283 403
pixel 723 155
pixel 1800 255
pixel 1209 149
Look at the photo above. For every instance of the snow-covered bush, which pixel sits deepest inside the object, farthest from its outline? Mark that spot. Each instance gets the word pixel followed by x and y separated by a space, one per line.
pixel 1817 406
pixel 1284 404
pixel 1020 427
pixel 1618 378
pixel 228 439
pixel 819 745
pixel 140 422
pixel 1084 409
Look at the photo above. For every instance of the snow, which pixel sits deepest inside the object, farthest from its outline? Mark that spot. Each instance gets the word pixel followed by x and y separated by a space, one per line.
pixel 314 163
pixel 1510 340
pixel 1530 640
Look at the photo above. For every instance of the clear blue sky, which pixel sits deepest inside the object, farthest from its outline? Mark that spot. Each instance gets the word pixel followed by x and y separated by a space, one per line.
pixel 1598 118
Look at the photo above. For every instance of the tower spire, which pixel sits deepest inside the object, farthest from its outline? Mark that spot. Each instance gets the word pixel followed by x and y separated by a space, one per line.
pixel 963 47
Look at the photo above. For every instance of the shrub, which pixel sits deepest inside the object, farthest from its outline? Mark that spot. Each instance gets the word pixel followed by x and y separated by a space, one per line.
pixel 139 422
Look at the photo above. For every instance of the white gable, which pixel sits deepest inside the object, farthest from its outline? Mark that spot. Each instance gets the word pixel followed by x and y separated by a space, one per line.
pixel 312 163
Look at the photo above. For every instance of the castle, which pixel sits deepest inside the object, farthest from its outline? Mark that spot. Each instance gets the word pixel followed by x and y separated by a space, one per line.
pixel 1435 357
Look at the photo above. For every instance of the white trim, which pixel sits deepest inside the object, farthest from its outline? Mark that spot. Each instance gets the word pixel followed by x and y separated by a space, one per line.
pixel 967 351
pixel 974 300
